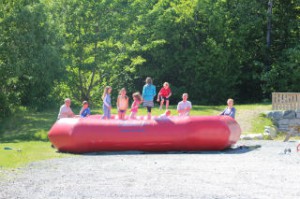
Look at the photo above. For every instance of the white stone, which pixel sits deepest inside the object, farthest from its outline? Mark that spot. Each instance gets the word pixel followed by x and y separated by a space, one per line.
pixel 270 131
pixel 252 137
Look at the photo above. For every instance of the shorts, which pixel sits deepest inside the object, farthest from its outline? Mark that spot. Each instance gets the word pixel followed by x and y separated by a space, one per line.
pixel 164 98
pixel 122 111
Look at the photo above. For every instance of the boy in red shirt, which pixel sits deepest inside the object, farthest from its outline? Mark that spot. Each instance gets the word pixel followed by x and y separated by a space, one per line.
pixel 164 95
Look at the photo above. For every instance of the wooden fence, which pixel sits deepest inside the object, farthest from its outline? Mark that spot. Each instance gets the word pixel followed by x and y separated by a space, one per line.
pixel 285 101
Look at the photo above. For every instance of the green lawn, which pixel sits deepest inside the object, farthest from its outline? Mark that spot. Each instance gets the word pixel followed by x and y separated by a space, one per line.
pixel 17 154
pixel 23 137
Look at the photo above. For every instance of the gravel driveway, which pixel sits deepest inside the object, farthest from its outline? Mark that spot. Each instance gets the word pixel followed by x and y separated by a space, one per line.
pixel 260 169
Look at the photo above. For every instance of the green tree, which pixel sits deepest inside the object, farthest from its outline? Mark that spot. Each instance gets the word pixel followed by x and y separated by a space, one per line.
pixel 30 53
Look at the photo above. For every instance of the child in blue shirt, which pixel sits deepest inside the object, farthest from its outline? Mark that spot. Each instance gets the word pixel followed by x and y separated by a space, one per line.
pixel 230 110
pixel 85 110
pixel 149 92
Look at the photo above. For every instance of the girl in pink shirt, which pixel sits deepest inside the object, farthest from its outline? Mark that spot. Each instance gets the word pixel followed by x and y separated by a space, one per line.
pixel 137 100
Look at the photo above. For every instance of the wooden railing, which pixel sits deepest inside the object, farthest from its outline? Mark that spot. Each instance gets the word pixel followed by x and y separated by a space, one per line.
pixel 285 101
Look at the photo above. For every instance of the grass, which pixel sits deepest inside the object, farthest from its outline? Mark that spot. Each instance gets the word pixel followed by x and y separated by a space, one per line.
pixel 14 155
pixel 23 137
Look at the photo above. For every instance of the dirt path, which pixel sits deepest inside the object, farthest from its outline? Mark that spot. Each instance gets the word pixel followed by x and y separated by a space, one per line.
pixel 245 117
pixel 247 172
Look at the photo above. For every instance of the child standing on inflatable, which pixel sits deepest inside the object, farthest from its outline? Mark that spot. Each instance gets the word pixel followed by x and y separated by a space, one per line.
pixel 149 92
pixel 122 103
pixel 106 102
pixel 137 100
pixel 184 107
pixel 164 94
pixel 85 110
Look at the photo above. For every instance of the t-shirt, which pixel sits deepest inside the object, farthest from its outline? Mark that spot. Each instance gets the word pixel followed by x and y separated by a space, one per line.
pixel 229 112
pixel 164 92
pixel 149 91
pixel 65 112
pixel 183 105
pixel 85 112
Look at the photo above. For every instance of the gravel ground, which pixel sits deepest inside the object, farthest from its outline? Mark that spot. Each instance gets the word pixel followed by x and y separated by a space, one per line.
pixel 259 169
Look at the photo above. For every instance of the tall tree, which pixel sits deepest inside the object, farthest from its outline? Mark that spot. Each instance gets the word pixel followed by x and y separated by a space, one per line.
pixel 30 52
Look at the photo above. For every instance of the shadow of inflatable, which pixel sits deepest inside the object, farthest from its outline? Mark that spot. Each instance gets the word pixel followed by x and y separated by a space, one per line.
pixel 232 150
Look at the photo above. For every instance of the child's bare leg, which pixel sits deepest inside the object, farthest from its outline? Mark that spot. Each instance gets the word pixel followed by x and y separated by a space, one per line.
pixel 132 115
pixel 167 104
pixel 123 115
pixel 161 104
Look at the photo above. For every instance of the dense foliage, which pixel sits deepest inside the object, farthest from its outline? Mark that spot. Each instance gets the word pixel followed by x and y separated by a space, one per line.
pixel 212 49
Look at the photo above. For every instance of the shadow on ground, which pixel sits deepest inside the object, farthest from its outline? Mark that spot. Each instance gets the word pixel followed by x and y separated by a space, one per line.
pixel 233 150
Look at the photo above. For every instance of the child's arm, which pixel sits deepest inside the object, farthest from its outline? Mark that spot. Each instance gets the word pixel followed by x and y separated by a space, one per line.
pixel 105 103
pixel 117 103
pixel 169 94
pixel 158 95
pixel 232 112
pixel 154 91
pixel 88 112
pixel 143 93
pixel 127 102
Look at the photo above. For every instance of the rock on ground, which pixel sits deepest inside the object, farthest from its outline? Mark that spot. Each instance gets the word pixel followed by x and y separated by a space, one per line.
pixel 259 169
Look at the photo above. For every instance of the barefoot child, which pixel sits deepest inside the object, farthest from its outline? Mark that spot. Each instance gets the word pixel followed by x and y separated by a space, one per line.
pixel 149 92
pixel 164 95
pixel 85 110
pixel 122 103
pixel 106 102
pixel 137 100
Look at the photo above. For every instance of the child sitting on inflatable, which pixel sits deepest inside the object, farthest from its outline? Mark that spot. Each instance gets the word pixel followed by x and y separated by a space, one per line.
pixel 85 110
pixel 65 110
pixel 230 110
pixel 184 107
pixel 165 115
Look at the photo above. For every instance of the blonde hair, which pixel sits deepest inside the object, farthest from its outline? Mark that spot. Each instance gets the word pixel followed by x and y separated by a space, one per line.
pixel 166 84
pixel 122 89
pixel 230 100
pixel 105 91
pixel 149 80
pixel 185 94
pixel 137 95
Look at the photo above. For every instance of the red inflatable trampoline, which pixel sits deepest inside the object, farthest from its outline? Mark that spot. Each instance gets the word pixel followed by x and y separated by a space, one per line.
pixel 91 134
